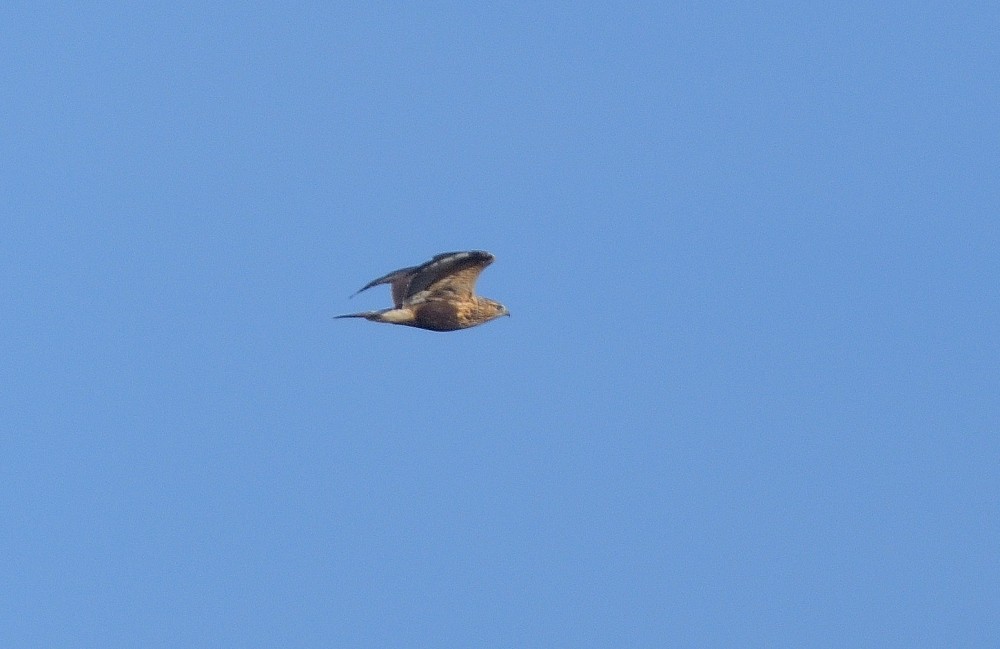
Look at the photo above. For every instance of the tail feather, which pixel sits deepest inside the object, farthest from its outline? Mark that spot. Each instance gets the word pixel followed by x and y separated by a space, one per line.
pixel 392 316
pixel 366 314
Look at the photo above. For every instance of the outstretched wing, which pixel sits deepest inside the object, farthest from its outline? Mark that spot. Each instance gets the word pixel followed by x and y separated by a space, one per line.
pixel 451 275
pixel 399 279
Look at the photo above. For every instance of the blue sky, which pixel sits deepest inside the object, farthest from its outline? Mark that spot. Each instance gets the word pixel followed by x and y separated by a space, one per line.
pixel 747 396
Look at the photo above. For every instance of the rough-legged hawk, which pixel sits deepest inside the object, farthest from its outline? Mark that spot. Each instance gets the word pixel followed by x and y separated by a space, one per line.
pixel 437 295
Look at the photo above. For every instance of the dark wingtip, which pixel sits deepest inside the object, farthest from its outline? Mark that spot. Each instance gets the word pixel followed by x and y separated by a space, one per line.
pixel 473 253
pixel 363 288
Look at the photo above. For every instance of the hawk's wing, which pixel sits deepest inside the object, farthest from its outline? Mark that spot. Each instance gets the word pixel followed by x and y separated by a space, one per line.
pixel 399 279
pixel 450 274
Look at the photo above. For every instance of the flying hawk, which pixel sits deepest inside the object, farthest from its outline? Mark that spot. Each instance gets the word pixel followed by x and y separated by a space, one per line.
pixel 438 295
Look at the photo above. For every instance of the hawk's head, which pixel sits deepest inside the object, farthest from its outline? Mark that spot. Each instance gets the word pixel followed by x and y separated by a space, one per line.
pixel 490 309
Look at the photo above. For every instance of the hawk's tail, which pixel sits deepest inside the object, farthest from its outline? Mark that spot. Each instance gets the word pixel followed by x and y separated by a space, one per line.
pixel 392 316
pixel 367 315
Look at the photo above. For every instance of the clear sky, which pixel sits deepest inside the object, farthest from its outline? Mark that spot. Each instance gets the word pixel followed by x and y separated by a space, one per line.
pixel 747 397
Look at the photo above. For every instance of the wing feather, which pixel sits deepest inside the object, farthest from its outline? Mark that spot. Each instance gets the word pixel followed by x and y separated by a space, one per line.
pixel 399 281
pixel 450 274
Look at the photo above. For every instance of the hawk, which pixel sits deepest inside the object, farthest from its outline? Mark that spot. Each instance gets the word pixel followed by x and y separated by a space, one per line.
pixel 438 295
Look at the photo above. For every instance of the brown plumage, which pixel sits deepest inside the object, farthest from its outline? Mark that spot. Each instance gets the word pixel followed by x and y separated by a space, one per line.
pixel 438 295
